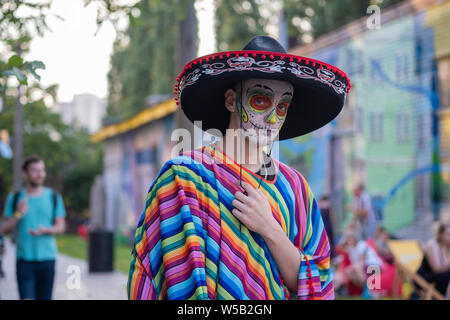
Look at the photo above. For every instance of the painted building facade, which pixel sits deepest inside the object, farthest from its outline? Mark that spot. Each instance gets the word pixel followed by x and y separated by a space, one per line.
pixel 393 133
pixel 134 151
pixel 390 134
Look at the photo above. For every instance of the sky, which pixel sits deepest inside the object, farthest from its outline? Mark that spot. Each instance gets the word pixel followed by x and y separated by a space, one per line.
pixel 78 60
pixel 75 58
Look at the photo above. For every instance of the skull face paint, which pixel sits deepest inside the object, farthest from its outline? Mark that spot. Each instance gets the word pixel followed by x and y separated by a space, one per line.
pixel 265 104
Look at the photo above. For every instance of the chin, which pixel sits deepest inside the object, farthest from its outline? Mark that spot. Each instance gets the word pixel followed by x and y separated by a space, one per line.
pixel 261 140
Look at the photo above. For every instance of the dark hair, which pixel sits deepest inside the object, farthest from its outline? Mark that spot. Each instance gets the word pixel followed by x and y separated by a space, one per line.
pixel 32 159
pixel 441 230
pixel 325 197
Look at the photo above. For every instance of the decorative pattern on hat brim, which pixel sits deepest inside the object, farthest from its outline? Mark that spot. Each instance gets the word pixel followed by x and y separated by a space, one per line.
pixel 319 88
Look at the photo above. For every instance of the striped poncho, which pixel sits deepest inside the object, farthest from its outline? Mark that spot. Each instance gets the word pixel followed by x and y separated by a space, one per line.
pixel 188 244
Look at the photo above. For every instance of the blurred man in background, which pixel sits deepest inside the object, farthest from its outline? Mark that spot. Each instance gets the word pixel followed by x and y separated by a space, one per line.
pixel 363 215
pixel 36 213
pixel 328 217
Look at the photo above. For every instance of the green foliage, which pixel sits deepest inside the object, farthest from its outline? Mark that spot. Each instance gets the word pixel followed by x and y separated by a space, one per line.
pixel 19 69
pixel 324 16
pixel 80 177
pixel 20 21
pixel 71 160
pixel 143 61
pixel 236 23
pixel 15 27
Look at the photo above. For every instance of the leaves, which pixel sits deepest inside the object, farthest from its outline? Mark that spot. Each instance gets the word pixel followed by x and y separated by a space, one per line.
pixel 237 22
pixel 15 61
pixel 146 64
pixel 323 16
pixel 72 162
pixel 23 17
pixel 16 72
pixel 32 66
pixel 67 151
pixel 20 69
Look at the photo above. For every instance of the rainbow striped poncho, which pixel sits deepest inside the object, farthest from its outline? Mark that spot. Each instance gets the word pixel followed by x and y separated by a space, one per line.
pixel 188 244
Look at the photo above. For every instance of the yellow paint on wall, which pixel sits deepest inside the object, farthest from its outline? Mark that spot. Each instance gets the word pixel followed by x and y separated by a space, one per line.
pixel 143 117
pixel 438 17
pixel 445 142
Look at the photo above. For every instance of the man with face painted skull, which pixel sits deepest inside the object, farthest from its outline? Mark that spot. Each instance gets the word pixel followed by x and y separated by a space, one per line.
pixel 229 221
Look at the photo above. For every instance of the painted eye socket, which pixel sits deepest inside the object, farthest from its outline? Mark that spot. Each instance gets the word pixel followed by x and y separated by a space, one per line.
pixel 282 109
pixel 260 102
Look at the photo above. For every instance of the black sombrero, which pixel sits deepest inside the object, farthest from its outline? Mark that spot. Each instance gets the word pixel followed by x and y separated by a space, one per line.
pixel 319 88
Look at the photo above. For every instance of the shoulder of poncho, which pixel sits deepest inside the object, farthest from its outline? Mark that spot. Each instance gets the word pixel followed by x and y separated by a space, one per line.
pixel 189 159
pixel 295 173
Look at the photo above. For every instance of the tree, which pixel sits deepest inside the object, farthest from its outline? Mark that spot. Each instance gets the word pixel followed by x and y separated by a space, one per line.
pixel 144 60
pixel 16 32
pixel 71 160
pixel 37 130
pixel 237 22
pixel 309 19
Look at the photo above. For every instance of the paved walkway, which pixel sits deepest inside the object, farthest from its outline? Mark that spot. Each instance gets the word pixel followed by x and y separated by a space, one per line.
pixel 72 280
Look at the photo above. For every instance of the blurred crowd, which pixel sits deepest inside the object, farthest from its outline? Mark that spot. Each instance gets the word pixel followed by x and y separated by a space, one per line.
pixel 362 261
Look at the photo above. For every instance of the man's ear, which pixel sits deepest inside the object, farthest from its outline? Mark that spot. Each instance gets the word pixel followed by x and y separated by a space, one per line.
pixel 230 100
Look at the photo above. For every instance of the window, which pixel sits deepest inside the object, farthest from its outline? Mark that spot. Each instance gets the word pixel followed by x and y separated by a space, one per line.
pixel 401 67
pixel 146 156
pixel 359 120
pixel 420 125
pixel 402 126
pixel 350 62
pixel 380 127
pixel 377 70
pixel 360 63
pixel 376 127
pixel 418 65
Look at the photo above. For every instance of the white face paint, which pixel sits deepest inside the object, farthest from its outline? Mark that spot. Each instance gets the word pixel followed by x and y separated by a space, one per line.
pixel 265 105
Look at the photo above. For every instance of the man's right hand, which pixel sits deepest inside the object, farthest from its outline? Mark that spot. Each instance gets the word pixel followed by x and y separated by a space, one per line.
pixel 22 207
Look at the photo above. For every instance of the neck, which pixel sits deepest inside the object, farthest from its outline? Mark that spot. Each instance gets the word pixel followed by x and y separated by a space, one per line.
pixel 251 155
pixel 443 244
pixel 33 189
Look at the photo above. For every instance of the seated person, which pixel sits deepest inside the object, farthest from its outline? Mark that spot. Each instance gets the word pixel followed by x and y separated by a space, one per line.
pixel 435 265
pixel 380 242
pixel 358 256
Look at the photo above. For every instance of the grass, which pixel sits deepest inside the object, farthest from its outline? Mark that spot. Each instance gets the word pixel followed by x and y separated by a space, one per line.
pixel 76 247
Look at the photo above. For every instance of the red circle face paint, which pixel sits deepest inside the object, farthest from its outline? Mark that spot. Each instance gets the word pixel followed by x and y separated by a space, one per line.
pixel 282 109
pixel 267 103
pixel 260 102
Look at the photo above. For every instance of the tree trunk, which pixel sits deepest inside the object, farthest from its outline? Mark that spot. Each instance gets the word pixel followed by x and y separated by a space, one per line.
pixel 18 143
pixel 283 36
pixel 186 51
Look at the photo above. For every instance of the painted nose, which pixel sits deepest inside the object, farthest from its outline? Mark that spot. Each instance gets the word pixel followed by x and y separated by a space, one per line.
pixel 272 118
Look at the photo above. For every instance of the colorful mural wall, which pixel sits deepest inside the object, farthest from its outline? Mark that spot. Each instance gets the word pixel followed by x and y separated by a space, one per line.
pixel 388 135
pixel 393 134
pixel 134 152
